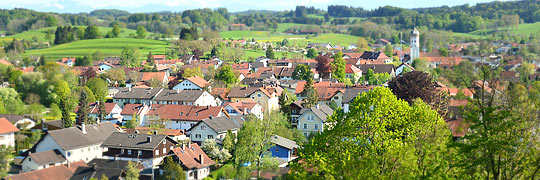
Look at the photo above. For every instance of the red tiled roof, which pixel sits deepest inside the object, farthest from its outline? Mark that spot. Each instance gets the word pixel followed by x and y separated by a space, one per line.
pixel 190 157
pixel 26 70
pixel 454 91
pixel 349 69
pixel 159 56
pixel 457 127
pixel 94 108
pixel 239 106
pixel 317 85
pixel 240 66
pixel 61 172
pixel 220 92
pixel 5 62
pixel 198 81
pixel 7 127
pixel 64 60
pixel 130 109
pixel 162 131
pixel 353 55
pixel 168 61
pixel 153 75
pixel 456 102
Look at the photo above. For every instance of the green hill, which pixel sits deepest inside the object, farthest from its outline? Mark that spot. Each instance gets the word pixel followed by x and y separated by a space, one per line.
pixel 522 29
pixel 41 33
pixel 265 36
pixel 110 46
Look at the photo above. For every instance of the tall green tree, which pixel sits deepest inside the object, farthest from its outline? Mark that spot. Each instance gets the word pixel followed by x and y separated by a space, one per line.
pixel 302 72
pixel 101 110
pixel 226 74
pixel 229 141
pixel 141 32
pixel 92 32
pixel 338 67
pixel 312 53
pixel 381 137
pixel 150 60
pixel 173 171
pixel 130 57
pixel 5 156
pixel 116 31
pixel 82 112
pixel 311 96
pixel 389 50
pixel 270 53
pixel 98 87
pixel 132 173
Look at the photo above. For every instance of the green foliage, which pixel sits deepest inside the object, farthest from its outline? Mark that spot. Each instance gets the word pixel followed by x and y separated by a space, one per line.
pixel 312 53
pixel 311 95
pixel 141 32
pixel 385 138
pixel 103 177
pixel 92 32
pixel 131 57
pixel 270 53
pixel 82 112
pixel 229 141
pixel 226 74
pixel 420 64
pixel 209 146
pixel 338 67
pixel 116 31
pixel 132 173
pixel 54 111
pixel 173 171
pixel 98 87
pixel 191 72
pixel 134 122
pixel 389 50
pixel 302 72
pixel 443 51
pixel 5 156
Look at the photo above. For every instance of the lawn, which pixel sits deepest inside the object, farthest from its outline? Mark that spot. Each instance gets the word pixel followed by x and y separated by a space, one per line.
pixel 265 36
pixel 284 26
pixel 40 33
pixel 522 29
pixel 244 34
pixel 112 46
pixel 226 171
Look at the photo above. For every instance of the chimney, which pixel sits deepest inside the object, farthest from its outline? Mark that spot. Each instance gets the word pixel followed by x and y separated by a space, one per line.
pixel 129 88
pixel 317 106
pixel 178 91
pixel 189 145
pixel 201 158
pixel 94 167
pixel 245 110
pixel 68 165
pixel 184 147
pixel 148 139
pixel 83 128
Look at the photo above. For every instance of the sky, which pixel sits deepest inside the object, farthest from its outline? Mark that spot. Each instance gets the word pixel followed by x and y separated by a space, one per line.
pixel 76 6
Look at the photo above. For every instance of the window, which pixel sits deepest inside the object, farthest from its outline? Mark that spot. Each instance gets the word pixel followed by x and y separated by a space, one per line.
pixel 164 150
pixel 294 111
pixel 121 151
pixel 164 141
pixel 336 97
pixel 203 127
pixel 197 135
pixel 305 134
pixel 210 137
pixel 68 154
pixel 305 126
pixel 258 94
pixel 316 126
pixel 139 152
pixel 129 151
pixel 157 152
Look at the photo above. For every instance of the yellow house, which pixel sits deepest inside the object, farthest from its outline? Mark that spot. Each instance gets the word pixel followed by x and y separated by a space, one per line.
pixel 266 96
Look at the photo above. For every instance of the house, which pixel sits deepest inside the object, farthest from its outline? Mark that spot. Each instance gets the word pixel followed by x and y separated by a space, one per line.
pixel 175 134
pixel 350 95
pixel 192 83
pixel 49 125
pixel 69 61
pixel 7 133
pixel 112 112
pixel 168 62
pixel 149 149
pixel 158 76
pixel 61 172
pixel 352 72
pixel 185 97
pixel 112 169
pixel 319 46
pixel 221 94
pixel 20 121
pixel 402 67
pixel 372 57
pixel 381 43
pixel 215 128
pixel 130 110
pixel 378 68
pixel 313 119
pixel 77 143
pixel 193 160
pixel 181 117
pixel 135 96
pixel 158 57
pixel 244 107
pixel 266 96
pixel 105 66
pixel 352 55
pixel 284 148
pixel 42 160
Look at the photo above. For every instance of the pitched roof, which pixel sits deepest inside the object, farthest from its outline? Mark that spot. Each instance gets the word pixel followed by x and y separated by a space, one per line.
pixel 73 137
pixel 47 157
pixel 162 131
pixel 349 69
pixel 377 68
pixel 13 118
pixel 284 142
pixel 239 106
pixel 243 92
pixel 130 109
pixel 190 157
pixel 137 93
pixel 224 123
pixel 184 112
pixel 61 172
pixel 353 55
pixel 111 168
pixel 220 92
pixel 198 81
pixel 133 141
pixel 94 107
pixel 5 62
pixel 317 85
pixel 179 95
pixel 323 111
pixel 351 93
pixel 146 76
pixel 7 127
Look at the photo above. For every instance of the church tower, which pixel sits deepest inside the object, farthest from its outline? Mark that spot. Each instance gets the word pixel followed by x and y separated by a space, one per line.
pixel 415 45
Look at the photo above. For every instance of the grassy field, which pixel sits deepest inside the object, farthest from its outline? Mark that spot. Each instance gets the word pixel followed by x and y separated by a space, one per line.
pixel 41 33
pixel 284 26
pixel 112 46
pixel 522 29
pixel 265 36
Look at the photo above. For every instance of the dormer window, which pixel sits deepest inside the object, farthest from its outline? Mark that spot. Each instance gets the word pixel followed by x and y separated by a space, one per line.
pixel 181 113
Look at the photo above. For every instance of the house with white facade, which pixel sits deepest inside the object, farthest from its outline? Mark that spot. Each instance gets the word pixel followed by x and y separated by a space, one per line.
pixel 185 97
pixel 403 67
pixel 77 143
pixel 130 110
pixel 243 108
pixel 313 119
pixel 7 133
pixel 20 121
pixel 194 161
pixel 42 160
pixel 135 96
pixel 181 117
pixel 192 83
pixel 215 128
pixel 112 112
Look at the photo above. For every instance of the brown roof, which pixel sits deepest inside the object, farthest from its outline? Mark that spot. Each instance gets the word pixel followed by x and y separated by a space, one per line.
pixel 130 109
pixel 220 92
pixel 458 127
pixel 243 92
pixel 7 127
pixel 189 157
pixel 64 60
pixel 94 108
pixel 168 61
pixel 317 85
pixel 353 55
pixel 198 81
pixel 26 69
pixel 146 76
pixel 239 106
pixel 238 66
pixel 61 172
pixel 47 157
pixel 5 62
pixel 162 131
pixel 184 112
pixel 349 69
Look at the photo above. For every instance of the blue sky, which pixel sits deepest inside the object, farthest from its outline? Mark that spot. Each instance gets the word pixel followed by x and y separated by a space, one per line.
pixel 75 6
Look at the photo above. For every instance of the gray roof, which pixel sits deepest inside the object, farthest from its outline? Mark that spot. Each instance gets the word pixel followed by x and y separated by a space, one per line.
pixel 284 142
pixel 137 93
pixel 242 92
pixel 180 95
pixel 13 118
pixel 111 168
pixel 73 137
pixel 133 141
pixel 55 123
pixel 323 111
pixel 377 68
pixel 223 123
pixel 47 157
pixel 351 93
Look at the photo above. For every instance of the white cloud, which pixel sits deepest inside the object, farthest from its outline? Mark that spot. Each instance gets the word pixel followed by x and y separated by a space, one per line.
pixel 58 6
